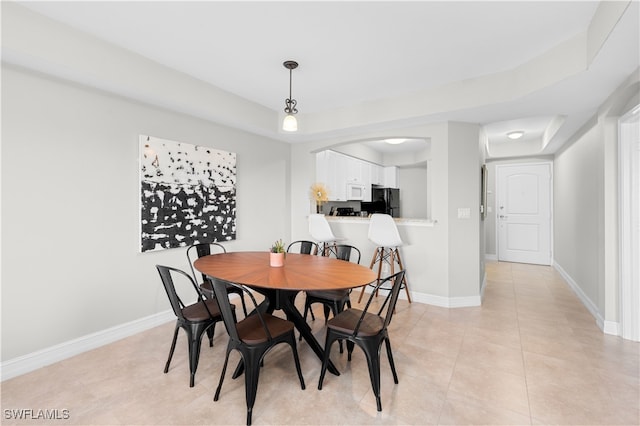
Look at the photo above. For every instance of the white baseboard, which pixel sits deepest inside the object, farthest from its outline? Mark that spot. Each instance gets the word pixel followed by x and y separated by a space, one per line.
pixel 607 327
pixel 611 327
pixel 27 363
pixel 493 257
pixel 440 301
pixel 448 302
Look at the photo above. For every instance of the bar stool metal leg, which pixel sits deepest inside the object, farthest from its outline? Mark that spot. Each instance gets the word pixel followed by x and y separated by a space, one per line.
pixel 391 256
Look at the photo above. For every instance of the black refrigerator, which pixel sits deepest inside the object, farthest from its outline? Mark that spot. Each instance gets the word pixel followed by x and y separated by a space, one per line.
pixel 386 200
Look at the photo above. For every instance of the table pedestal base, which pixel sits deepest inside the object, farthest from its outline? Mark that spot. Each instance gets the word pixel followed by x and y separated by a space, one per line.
pixel 285 300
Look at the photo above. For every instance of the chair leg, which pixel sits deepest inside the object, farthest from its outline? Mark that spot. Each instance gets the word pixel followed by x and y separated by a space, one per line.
pixel 390 356
pixel 335 308
pixel 173 347
pixel 210 332
pixel 251 375
pixel 326 309
pixel 296 359
pixel 373 360
pixel 350 346
pixel 306 309
pixel 313 317
pixel 325 359
pixel 195 340
pixel 224 370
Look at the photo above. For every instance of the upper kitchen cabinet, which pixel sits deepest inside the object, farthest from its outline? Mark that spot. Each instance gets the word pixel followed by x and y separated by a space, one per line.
pixel 391 177
pixel 345 176
pixel 354 170
pixel 377 174
pixel 331 170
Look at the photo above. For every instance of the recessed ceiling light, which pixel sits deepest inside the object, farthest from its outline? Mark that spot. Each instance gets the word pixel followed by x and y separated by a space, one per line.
pixel 515 135
pixel 395 141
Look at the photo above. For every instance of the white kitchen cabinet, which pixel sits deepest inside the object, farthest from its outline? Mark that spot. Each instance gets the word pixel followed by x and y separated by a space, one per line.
pixel 354 169
pixel 337 171
pixel 322 168
pixel 340 177
pixel 331 170
pixel 377 174
pixel 366 181
pixel 391 177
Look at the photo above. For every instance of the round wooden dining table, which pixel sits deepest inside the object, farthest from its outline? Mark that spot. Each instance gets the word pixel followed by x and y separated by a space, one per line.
pixel 280 285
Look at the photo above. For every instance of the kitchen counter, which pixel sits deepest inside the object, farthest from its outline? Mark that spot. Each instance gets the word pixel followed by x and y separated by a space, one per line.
pixel 400 221
pixel 426 255
pixel 422 257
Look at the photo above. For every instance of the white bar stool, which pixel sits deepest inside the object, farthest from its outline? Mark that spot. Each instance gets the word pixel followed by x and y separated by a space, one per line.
pixel 383 232
pixel 321 232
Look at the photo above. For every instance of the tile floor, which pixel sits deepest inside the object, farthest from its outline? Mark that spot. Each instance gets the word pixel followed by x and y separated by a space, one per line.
pixel 531 354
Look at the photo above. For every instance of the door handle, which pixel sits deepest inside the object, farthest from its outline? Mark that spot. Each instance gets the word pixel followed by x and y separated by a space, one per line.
pixel 503 216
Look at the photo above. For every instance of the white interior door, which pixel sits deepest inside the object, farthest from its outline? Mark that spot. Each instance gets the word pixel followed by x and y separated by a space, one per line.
pixel 524 213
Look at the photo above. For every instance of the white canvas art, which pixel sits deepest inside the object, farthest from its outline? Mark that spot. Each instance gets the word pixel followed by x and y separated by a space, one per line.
pixel 187 194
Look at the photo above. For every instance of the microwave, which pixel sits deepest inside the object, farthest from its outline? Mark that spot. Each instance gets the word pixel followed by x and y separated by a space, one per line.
pixel 355 191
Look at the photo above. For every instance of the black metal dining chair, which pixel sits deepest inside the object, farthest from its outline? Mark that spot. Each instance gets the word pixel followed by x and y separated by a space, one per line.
pixel 303 247
pixel 195 318
pixel 368 331
pixel 333 301
pixel 253 337
pixel 198 250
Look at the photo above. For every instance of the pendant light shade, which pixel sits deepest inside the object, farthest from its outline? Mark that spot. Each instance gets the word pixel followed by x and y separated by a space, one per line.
pixel 290 124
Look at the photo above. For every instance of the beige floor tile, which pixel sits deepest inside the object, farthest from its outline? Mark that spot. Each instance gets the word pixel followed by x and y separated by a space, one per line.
pixel 493 387
pixel 478 352
pixel 464 410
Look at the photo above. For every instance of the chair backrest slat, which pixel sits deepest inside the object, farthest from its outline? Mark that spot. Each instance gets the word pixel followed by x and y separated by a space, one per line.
pixel 345 252
pixel 198 250
pixel 305 247
pixel 222 296
pixel 174 298
pixel 389 302
pixel 392 297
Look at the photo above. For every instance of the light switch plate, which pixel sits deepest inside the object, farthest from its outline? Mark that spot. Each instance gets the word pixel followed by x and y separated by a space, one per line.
pixel 464 213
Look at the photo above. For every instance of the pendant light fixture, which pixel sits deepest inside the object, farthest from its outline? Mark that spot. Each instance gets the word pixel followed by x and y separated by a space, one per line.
pixel 290 124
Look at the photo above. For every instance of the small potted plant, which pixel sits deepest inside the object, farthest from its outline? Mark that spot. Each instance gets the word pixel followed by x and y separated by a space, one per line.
pixel 276 254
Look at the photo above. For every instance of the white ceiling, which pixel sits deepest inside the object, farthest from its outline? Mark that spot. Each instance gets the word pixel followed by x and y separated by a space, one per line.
pixel 372 53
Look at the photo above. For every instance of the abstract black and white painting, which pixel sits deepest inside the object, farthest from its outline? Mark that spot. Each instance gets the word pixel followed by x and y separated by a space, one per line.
pixel 187 194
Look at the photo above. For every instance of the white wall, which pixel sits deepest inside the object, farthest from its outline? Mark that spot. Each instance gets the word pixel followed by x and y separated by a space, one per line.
pixel 578 209
pixel 70 203
pixel 463 186
pixel 413 197
pixel 586 209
